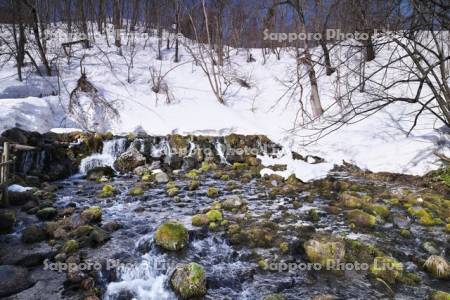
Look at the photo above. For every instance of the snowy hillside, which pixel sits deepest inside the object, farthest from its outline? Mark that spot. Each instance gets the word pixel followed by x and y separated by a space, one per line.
pixel 378 143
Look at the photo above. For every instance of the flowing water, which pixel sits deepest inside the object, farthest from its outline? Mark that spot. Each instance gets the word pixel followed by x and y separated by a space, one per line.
pixel 232 272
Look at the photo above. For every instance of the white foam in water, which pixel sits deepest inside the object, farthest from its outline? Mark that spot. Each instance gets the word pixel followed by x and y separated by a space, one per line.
pixel 142 280
pixel 219 149
pixel 111 150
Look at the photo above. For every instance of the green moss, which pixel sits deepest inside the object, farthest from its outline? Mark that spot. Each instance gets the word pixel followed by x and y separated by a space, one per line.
pixel 274 297
pixel 444 176
pixel 207 166
pixel 284 247
pixel 239 166
pixel 424 217
pixel 172 236
pixel 379 210
pixel 70 247
pixel 214 215
pixel 224 223
pixel 148 177
pixel 360 218
pixel 357 251
pixel 405 233
pixel 193 185
pixel 173 191
pixel 213 226
pixel 313 215
pixel 387 268
pixel 47 213
pixel 440 295
pixel 107 191
pixel 82 231
pixel 136 191
pixel 212 192
pixel 262 264
pixel 200 220
pixel 189 281
pixel 325 250
pixel 92 214
pixel 447 228
pixel 233 229
pixel 193 174
pixel 225 177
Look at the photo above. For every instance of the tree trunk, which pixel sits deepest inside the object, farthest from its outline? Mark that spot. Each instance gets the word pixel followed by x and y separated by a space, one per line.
pixel 38 38
pixel 177 29
pixel 315 98
pixel 326 53
pixel 117 27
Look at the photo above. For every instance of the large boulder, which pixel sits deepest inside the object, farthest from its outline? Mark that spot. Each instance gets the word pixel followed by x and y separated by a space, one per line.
pixel 189 280
pixel 325 250
pixel 47 213
pixel 7 220
pixel 99 172
pixel 129 160
pixel 13 280
pixel 33 234
pixel 172 236
pixel 161 177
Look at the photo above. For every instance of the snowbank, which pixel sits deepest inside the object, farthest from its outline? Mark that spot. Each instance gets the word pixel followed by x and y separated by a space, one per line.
pixel 379 143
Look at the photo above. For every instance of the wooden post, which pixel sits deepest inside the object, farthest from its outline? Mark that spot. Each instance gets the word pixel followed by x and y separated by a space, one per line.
pixel 4 168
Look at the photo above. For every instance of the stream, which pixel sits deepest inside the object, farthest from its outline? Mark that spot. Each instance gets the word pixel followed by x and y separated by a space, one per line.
pixel 133 267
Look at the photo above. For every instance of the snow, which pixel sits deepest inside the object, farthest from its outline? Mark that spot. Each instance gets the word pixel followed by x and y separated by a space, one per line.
pixel 65 130
pixel 377 143
pixel 18 188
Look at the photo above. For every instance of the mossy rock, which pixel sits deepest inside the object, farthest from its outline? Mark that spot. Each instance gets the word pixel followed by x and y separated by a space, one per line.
pixel 171 192
pixel 437 266
pixel 92 215
pixel 107 191
pixel 214 215
pixel 439 295
pixel 263 234
pixel 239 166
pixel 284 247
pixel 147 177
pixel 193 174
pixel 387 268
pixel 275 297
pixel 357 251
pixel 252 161
pixel 172 236
pixel 82 231
pixel 263 264
pixel 379 210
pixel 200 220
pixel 212 192
pixel 207 166
pixel 189 280
pixel 313 215
pixel 7 220
pixel 325 250
pixel 361 218
pixel 193 185
pixel 98 173
pixel 136 191
pixel 48 213
pixel 424 217
pixel 232 202
pixel 353 200
pixel 70 247
pixel 225 177
pixel 33 234
pixel 213 226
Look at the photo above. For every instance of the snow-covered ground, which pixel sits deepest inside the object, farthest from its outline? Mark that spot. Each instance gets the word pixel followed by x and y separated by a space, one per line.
pixel 378 143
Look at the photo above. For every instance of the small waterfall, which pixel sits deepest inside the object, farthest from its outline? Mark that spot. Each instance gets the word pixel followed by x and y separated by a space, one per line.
pixel 191 149
pixel 111 150
pixel 220 150
pixel 144 280
pixel 161 149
